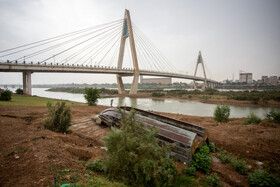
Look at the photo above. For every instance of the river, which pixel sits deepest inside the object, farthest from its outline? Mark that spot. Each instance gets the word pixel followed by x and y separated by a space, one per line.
pixel 192 108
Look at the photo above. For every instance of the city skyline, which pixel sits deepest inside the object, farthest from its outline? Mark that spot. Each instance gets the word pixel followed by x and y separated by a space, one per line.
pixel 232 35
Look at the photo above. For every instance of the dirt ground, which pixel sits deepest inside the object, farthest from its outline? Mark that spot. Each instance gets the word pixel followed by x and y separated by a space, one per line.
pixel 29 154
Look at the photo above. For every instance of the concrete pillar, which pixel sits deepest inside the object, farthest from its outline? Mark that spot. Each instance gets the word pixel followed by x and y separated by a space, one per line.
pixel 26 80
pixel 24 83
pixel 128 32
pixel 200 61
pixel 121 89
pixel 134 86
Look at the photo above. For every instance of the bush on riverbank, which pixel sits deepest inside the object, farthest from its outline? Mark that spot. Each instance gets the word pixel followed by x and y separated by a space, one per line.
pixel 5 95
pixel 91 95
pixel 222 113
pixel 135 157
pixel 273 116
pixel 19 91
pixel 252 118
pixel 59 117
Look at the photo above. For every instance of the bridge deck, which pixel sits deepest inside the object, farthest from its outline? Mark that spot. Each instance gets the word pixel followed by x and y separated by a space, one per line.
pixel 16 67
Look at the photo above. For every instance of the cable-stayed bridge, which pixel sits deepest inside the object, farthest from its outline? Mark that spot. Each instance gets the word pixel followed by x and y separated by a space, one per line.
pixel 118 47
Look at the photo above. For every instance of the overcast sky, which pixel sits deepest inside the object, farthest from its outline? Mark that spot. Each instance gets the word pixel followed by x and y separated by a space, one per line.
pixel 232 35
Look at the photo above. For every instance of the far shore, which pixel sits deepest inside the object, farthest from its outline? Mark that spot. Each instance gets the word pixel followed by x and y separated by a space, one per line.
pixel 212 97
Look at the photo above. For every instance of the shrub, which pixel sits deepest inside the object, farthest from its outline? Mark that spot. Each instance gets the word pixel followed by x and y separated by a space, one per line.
pixel 19 91
pixel 263 178
pixel 135 157
pixel 190 171
pixel 5 95
pixel 59 119
pixel 239 165
pixel 201 159
pixel 252 118
pixel 222 113
pixel 96 165
pixel 212 147
pixel 213 180
pixel 91 95
pixel 273 116
pixel 184 181
pixel 223 157
pixel 157 94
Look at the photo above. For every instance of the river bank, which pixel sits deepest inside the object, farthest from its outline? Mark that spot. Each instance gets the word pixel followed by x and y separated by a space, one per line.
pixel 214 99
pixel 239 98
pixel 33 156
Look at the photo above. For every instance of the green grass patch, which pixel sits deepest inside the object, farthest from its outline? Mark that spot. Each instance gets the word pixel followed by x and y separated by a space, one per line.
pixel 263 178
pixel 100 181
pixel 239 165
pixel 211 180
pixel 252 118
pixel 224 157
pixel 23 100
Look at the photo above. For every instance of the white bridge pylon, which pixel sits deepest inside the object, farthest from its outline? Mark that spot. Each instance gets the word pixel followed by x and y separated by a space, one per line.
pixel 127 32
pixel 200 61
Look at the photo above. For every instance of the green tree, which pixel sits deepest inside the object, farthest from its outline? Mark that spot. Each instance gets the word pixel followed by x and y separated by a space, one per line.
pixel 5 95
pixel 252 118
pixel 135 157
pixel 273 116
pixel 59 119
pixel 91 95
pixel 19 91
pixel 222 113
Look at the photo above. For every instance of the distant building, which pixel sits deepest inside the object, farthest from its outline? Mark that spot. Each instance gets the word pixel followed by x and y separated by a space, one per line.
pixel 272 80
pixel 156 80
pixel 245 77
pixel 265 79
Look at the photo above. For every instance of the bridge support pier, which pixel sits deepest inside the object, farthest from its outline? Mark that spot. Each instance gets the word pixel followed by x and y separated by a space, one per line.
pixel 26 78
pixel 127 32
pixel 200 61
pixel 121 89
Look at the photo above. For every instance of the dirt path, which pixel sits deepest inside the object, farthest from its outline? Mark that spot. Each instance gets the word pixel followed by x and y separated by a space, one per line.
pixel 29 153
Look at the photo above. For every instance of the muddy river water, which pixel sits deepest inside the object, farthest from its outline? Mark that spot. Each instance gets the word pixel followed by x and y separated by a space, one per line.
pixel 193 108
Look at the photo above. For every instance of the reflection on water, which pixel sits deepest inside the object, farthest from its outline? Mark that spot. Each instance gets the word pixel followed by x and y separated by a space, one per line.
pixel 158 100
pixel 161 105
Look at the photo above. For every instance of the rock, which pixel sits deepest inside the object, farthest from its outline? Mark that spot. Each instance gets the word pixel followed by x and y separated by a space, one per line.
pixel 259 163
pixel 90 145
pixel 105 148
pixel 87 175
pixel 68 177
pixel 215 159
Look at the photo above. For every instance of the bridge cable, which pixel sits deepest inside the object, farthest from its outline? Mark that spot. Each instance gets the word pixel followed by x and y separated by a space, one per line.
pixel 58 45
pixel 152 53
pixel 104 35
pixel 63 43
pixel 109 50
pixel 148 52
pixel 143 52
pixel 86 48
pixel 155 51
pixel 56 37
pixel 98 50
pixel 156 62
